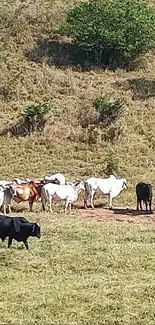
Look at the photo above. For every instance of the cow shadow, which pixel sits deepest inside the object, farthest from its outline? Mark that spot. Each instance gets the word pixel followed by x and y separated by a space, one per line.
pixel 131 212
pixel 97 206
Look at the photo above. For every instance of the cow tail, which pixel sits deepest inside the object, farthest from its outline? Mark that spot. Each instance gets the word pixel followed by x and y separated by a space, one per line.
pixel 150 192
pixel 43 198
pixel 86 195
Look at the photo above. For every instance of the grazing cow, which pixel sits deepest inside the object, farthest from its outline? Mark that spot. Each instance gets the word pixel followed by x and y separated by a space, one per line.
pixel 6 195
pixel 7 224
pixel 58 176
pixel 69 193
pixel 28 192
pixel 144 193
pixel 111 186
pixel 18 228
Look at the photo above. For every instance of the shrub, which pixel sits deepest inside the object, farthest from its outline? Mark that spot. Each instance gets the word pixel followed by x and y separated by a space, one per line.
pixel 34 116
pixel 111 30
pixel 108 111
pixel 112 163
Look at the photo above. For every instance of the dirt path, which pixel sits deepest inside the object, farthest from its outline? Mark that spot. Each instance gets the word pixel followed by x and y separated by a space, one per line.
pixel 127 215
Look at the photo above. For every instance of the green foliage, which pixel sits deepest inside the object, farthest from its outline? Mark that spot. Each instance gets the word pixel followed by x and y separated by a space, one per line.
pixel 112 30
pixel 34 116
pixel 109 111
pixel 112 163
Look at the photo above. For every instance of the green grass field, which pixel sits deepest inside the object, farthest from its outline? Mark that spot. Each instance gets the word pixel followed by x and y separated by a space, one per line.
pixel 79 272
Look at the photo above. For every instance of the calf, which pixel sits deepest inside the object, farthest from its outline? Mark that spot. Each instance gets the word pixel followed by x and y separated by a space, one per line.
pixel 144 193
pixel 110 186
pixel 18 228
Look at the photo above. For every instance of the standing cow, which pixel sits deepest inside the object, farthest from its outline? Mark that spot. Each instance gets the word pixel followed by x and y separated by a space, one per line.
pixel 18 228
pixel 144 193
pixel 110 186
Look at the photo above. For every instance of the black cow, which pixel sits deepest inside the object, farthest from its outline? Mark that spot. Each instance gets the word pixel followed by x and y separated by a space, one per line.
pixel 18 228
pixel 144 192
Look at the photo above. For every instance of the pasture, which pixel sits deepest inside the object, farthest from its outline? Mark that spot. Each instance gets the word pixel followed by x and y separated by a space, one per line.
pixel 89 267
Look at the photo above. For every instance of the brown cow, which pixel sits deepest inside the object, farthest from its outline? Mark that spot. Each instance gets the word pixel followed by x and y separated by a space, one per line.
pixel 30 192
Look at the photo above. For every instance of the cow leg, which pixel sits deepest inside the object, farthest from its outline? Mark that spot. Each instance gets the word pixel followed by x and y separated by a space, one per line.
pixel 50 203
pixel 150 201
pixel 10 241
pixel 26 244
pixel 141 205
pixel 85 199
pixel 31 201
pixel 43 207
pixel 4 208
pixel 9 207
pixel 85 202
pixel 138 204
pixel 70 207
pixel 146 205
pixel 91 196
pixel 43 202
pixel 66 205
pixel 110 201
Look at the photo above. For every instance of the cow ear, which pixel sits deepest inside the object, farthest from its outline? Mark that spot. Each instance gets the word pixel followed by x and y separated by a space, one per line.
pixel 34 228
pixel 16 224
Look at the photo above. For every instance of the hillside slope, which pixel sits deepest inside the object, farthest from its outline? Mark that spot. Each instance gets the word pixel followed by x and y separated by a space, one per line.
pixel 36 67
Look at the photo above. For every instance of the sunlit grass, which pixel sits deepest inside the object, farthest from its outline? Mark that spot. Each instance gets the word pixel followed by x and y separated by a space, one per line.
pixel 79 272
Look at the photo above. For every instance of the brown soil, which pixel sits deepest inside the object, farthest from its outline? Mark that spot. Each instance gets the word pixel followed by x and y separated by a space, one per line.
pixel 119 214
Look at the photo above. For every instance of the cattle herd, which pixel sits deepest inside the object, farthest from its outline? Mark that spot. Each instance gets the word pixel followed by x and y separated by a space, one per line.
pixel 53 188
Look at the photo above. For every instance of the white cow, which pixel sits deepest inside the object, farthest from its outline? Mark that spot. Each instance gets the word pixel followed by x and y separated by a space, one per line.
pixel 111 186
pixel 54 192
pixel 59 176
pixel 5 183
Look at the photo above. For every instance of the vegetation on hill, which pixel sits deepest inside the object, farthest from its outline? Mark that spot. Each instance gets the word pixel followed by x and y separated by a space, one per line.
pixel 39 66
pixel 112 31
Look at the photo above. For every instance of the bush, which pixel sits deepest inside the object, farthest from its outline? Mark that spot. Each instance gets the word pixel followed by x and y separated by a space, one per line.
pixel 112 163
pixel 111 30
pixel 108 111
pixel 34 116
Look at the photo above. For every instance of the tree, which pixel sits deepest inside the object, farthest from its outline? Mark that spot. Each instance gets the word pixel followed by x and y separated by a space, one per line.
pixel 111 30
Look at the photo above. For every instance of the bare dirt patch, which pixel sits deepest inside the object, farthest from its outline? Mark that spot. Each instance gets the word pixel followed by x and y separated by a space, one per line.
pixel 119 214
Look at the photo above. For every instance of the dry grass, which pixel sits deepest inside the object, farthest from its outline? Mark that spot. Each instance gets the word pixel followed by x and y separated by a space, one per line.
pixel 65 146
